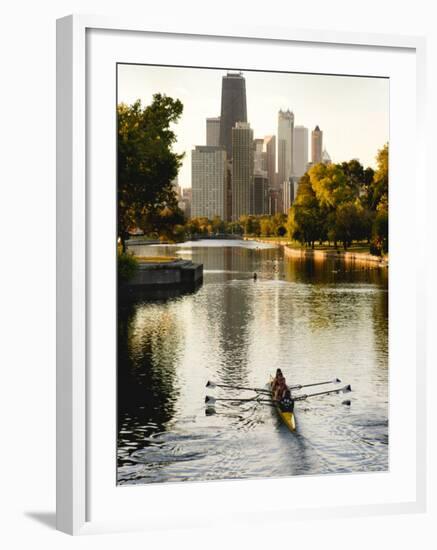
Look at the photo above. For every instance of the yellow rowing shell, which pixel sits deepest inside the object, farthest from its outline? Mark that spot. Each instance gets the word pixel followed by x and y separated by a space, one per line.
pixel 287 417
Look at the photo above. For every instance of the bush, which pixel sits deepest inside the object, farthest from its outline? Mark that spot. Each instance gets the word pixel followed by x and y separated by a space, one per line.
pixel 127 266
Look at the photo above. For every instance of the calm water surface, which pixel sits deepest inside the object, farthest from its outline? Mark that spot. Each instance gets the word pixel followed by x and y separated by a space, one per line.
pixel 315 320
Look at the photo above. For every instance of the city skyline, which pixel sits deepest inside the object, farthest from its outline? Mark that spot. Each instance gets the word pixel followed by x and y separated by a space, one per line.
pixel 352 111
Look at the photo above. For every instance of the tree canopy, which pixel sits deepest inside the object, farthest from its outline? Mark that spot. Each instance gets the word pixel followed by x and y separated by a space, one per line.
pixel 342 202
pixel 146 163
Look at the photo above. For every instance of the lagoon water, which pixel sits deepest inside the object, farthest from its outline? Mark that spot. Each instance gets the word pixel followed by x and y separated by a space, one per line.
pixel 314 320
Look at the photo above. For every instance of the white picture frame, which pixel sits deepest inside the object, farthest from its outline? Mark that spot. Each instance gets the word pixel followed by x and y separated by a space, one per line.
pixel 74 462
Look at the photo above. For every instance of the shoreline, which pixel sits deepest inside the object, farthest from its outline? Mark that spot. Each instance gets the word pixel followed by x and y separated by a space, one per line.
pixel 345 256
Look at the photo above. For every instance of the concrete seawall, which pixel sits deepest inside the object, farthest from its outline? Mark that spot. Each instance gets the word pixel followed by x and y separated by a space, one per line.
pixel 347 257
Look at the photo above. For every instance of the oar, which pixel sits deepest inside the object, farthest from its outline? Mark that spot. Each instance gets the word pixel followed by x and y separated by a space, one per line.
pixel 345 389
pixel 213 385
pixel 211 400
pixel 300 386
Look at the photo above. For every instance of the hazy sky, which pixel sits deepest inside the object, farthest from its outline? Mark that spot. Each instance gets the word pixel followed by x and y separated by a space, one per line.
pixel 352 112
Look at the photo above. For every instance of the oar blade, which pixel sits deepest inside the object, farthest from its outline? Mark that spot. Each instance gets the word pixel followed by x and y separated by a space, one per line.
pixel 210 384
pixel 336 381
pixel 346 389
pixel 210 400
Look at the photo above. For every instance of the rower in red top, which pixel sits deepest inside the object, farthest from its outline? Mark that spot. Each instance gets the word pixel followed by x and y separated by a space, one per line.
pixel 276 380
pixel 281 388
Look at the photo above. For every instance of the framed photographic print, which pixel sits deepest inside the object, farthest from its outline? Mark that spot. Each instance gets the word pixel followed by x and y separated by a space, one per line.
pixel 238 313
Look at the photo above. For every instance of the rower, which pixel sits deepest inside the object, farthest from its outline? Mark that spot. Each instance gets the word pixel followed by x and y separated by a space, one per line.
pixel 286 404
pixel 281 388
pixel 276 379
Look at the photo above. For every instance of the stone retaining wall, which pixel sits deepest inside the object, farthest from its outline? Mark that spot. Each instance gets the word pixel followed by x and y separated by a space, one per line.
pixel 348 257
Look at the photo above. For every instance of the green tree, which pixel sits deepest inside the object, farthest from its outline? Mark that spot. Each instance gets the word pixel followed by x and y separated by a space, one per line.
pixel 218 225
pixel 247 223
pixel 380 229
pixel 146 163
pixel 350 223
pixel 306 218
pixel 164 220
pixel 266 227
pixel 380 238
pixel 330 185
pixel 358 178
pixel 380 180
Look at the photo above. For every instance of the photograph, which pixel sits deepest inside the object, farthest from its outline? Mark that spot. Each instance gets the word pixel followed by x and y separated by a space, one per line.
pixel 252 252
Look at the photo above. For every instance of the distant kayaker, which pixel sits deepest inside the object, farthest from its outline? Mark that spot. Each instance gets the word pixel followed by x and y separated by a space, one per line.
pixel 255 276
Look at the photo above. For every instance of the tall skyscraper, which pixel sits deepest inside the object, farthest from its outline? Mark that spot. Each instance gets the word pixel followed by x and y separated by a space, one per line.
pixel 316 145
pixel 258 151
pixel 300 151
pixel 270 147
pixel 242 170
pixel 208 181
pixel 285 145
pixel 233 108
pixel 213 131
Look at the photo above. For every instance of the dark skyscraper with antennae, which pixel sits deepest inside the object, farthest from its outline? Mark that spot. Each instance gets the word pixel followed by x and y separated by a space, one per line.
pixel 234 108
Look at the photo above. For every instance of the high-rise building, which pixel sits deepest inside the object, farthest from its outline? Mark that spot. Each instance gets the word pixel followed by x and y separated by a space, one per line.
pixel 258 152
pixel 260 179
pixel 270 149
pixel 285 153
pixel 260 194
pixel 242 170
pixel 300 151
pixel 274 201
pixel 289 193
pixel 213 131
pixel 233 108
pixel 285 145
pixel 185 201
pixel 316 145
pixel 208 175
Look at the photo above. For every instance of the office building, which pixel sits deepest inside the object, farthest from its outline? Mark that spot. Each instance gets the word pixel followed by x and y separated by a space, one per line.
pixel 259 156
pixel 285 145
pixel 208 175
pixel 316 145
pixel 242 170
pixel 260 194
pixel 213 131
pixel 300 151
pixel 233 108
pixel 274 201
pixel 288 193
pixel 185 202
pixel 270 151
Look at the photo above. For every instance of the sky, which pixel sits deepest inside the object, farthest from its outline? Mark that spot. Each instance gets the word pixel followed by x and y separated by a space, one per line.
pixel 352 112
